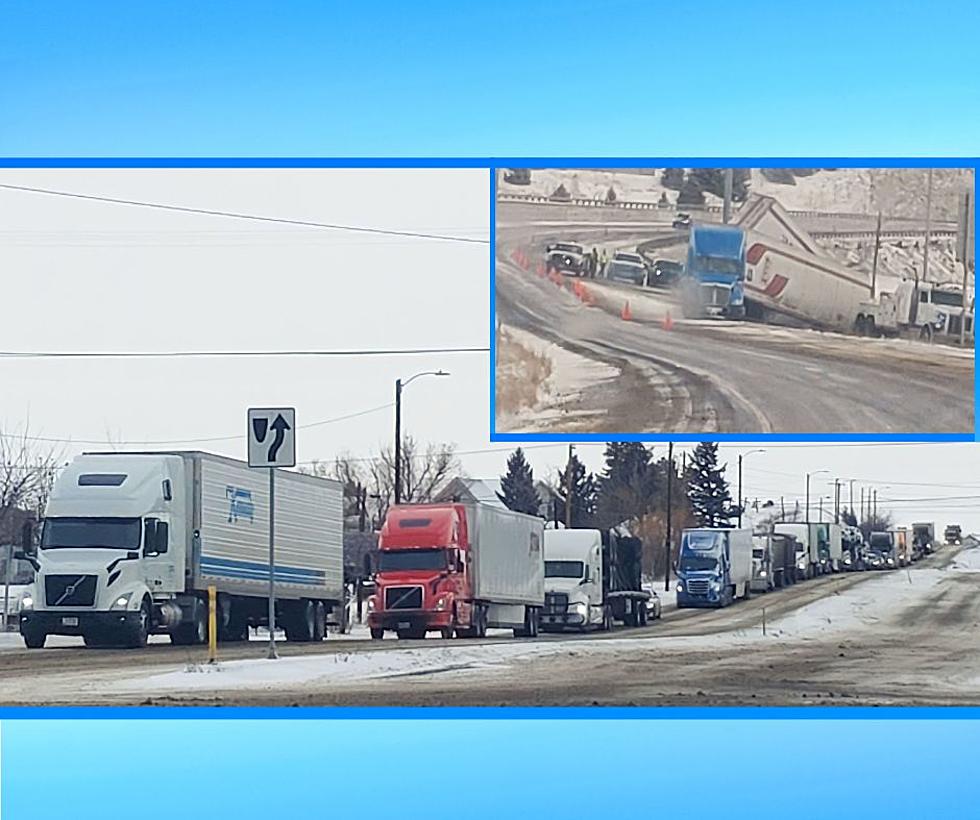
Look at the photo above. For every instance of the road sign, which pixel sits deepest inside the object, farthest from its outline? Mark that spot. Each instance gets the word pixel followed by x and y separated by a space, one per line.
pixel 272 437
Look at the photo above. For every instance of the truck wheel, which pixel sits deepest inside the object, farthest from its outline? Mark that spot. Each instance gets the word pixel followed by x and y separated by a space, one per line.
pixel 377 634
pixel 644 617
pixel 319 621
pixel 481 622
pixel 34 640
pixel 535 622
pixel 140 631
pixel 194 633
pixel 748 591
pixel 607 618
pixel 300 622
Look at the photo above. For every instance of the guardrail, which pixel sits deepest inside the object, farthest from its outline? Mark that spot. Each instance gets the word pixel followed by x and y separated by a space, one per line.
pixel 540 199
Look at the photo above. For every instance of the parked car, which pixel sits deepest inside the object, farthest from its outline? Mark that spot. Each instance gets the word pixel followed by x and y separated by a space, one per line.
pixel 664 273
pixel 682 221
pixel 566 257
pixel 627 267
pixel 654 604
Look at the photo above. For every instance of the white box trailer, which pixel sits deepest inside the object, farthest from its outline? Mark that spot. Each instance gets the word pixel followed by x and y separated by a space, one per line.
pixel 807 550
pixel 508 557
pixel 132 541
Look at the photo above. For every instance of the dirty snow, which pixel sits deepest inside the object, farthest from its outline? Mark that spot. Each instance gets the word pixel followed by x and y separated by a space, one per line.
pixel 570 375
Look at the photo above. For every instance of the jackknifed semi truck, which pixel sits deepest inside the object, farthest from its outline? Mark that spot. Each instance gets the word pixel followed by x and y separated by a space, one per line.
pixel 457 569
pixel 132 541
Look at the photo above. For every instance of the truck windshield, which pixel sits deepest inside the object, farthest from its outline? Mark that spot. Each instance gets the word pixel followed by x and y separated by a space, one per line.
pixel 564 569
pixel 880 541
pixel 82 533
pixel 398 560
pixel 694 563
pixel 719 264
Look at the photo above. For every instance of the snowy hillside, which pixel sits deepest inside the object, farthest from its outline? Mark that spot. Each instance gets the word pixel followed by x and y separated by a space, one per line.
pixel 894 191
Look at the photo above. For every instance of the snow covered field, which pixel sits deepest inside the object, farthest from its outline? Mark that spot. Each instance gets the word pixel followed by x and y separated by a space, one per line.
pixel 841 613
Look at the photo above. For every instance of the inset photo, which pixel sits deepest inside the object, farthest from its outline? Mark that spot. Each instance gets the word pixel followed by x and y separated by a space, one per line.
pixel 734 300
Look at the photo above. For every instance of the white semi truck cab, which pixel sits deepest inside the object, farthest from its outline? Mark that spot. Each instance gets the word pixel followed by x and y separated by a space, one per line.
pixel 572 579
pixel 131 542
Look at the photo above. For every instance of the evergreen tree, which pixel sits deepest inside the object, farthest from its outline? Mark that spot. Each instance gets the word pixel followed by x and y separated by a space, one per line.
pixel 583 494
pixel 672 178
pixel 849 518
pixel 517 484
pixel 707 489
pixel 628 485
pixel 691 193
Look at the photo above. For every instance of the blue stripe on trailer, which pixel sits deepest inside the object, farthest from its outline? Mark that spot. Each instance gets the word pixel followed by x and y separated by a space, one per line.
pixel 252 571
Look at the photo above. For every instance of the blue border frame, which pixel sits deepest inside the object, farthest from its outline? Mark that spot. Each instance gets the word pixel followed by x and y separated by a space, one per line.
pixel 946 713
pixel 491 712
pixel 726 162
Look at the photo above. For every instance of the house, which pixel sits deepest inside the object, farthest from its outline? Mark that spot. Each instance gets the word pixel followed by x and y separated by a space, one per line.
pixel 488 491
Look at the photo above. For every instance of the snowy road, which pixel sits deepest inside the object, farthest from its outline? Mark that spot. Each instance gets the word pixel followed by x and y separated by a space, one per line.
pixel 706 376
pixel 896 637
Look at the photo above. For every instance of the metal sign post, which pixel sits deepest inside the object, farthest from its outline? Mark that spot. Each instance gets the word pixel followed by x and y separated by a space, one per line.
pixel 272 444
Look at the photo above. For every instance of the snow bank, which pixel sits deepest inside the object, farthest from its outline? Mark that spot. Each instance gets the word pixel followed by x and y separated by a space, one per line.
pixel 967 560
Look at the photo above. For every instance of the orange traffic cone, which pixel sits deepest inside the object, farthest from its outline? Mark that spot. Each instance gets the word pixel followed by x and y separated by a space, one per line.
pixel 627 314
pixel 668 321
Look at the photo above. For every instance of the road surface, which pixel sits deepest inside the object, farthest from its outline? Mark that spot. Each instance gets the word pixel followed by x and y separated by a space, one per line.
pixel 903 637
pixel 710 376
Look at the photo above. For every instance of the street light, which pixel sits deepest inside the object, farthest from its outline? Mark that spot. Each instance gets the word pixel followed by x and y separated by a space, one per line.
pixel 399 385
pixel 815 472
pixel 740 457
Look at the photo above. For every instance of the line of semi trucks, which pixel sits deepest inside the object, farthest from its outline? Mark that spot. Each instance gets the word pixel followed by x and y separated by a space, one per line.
pixel 131 543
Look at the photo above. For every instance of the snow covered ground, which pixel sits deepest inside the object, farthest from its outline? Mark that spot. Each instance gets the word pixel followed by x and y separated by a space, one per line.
pixel 570 374
pixel 840 613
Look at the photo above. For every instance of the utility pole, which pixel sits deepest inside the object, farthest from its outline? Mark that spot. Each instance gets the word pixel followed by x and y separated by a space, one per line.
pixel 726 216
pixel 837 501
pixel 740 491
pixel 398 441
pixel 874 264
pixel 925 250
pixel 820 508
pixel 874 515
pixel 568 488
pixel 861 516
pixel 967 237
pixel 670 482
pixel 852 496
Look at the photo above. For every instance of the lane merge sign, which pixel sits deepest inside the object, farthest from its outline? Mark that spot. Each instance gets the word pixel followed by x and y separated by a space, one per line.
pixel 272 437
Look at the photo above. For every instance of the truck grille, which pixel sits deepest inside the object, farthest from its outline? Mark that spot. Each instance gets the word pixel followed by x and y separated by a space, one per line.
pixel 698 586
pixel 69 590
pixel 555 603
pixel 403 598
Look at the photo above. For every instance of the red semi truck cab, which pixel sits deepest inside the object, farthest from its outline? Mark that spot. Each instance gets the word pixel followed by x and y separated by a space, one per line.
pixel 457 569
pixel 422 580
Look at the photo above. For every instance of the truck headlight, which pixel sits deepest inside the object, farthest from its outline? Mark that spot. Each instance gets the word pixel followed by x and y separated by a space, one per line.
pixel 440 604
pixel 27 603
pixel 370 604
pixel 581 608
pixel 122 602
pixel 680 586
pixel 762 573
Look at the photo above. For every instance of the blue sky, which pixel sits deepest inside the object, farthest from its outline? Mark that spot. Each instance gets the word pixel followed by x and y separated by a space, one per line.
pixel 572 79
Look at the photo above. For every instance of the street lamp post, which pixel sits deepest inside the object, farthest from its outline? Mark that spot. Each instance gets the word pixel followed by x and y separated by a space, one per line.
pixel 808 476
pixel 399 386
pixel 740 504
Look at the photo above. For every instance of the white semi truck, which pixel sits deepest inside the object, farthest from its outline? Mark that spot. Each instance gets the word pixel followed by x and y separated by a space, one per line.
pixel 807 548
pixel 132 541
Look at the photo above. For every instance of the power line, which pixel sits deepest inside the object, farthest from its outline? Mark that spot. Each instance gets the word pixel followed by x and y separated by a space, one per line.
pixel 235 215
pixel 233 354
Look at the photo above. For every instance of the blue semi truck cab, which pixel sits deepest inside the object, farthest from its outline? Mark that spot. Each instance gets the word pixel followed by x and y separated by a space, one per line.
pixel 714 277
pixel 714 567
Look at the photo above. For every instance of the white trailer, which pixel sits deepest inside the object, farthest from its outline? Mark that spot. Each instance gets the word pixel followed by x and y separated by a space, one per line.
pixel 508 562
pixel 807 549
pixel 836 546
pixel 132 541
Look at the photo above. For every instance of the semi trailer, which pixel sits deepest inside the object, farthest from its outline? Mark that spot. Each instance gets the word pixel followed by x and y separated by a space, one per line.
pixel 807 548
pixel 592 580
pixel 924 537
pixel 457 569
pixel 714 567
pixel 132 541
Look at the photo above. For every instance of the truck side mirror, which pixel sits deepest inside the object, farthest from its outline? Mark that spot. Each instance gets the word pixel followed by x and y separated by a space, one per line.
pixel 27 539
pixel 368 569
pixel 149 536
pixel 162 537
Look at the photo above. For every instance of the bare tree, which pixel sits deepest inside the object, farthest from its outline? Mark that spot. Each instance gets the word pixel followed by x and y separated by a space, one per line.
pixel 371 482
pixel 27 472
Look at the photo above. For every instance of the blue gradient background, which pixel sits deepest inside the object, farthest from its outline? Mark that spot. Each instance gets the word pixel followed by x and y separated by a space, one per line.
pixel 577 79
pixel 490 768
pixel 616 78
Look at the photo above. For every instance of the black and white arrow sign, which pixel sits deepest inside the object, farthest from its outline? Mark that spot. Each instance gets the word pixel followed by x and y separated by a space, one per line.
pixel 272 437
